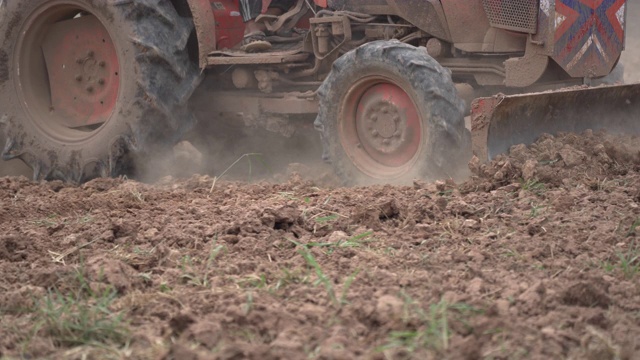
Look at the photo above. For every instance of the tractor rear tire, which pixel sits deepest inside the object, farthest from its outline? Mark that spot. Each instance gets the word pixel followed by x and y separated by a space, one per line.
pixel 128 91
pixel 389 113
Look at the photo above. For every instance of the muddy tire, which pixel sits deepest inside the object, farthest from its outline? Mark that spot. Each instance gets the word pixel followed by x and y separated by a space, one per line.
pixel 389 113
pixel 110 81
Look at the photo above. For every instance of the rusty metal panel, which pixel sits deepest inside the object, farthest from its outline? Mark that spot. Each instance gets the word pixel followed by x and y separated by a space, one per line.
pixel 373 7
pixel 204 23
pixel 83 68
pixel 516 15
pixel 468 24
pixel 499 122
pixel 428 16
pixel 231 57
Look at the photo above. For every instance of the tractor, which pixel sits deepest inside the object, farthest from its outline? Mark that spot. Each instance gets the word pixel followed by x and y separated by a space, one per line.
pixel 87 86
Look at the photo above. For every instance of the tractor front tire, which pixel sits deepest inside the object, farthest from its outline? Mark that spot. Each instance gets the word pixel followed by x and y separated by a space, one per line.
pixel 390 113
pixel 87 84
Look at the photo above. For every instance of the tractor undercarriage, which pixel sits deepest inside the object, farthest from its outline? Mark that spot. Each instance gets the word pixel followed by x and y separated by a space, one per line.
pixel 383 80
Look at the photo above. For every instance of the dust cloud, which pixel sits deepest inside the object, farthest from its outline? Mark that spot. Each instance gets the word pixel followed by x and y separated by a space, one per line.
pixel 222 146
pixel 631 56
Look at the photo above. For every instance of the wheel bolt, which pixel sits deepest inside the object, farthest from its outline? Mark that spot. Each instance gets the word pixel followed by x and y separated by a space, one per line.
pixel 386 141
pixel 79 60
pixel 397 134
pixel 90 89
pixel 78 78
pixel 396 119
pixel 102 64
pixel 90 53
pixel 101 81
pixel 359 146
pixel 373 118
pixel 375 133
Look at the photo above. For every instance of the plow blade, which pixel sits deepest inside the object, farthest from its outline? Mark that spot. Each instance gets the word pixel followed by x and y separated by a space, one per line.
pixel 501 121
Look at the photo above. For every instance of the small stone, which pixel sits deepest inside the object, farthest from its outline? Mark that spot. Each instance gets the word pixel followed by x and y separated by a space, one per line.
pixel 549 331
pixel 470 223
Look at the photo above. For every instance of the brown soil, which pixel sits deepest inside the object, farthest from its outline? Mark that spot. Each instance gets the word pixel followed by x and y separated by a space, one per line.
pixel 533 258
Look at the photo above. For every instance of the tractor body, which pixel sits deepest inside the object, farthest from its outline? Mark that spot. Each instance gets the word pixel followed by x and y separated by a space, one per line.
pixel 382 124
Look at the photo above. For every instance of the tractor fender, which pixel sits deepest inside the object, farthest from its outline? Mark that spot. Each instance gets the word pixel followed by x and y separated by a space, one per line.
pixel 205 26
pixel 428 16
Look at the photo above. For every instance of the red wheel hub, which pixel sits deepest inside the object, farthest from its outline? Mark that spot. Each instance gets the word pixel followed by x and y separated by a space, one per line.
pixel 82 65
pixel 381 128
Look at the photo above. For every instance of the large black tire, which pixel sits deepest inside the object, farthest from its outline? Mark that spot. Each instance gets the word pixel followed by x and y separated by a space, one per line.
pixel 13 167
pixel 441 150
pixel 155 75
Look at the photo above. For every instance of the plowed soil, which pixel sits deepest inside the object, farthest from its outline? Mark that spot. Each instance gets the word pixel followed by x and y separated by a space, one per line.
pixel 535 257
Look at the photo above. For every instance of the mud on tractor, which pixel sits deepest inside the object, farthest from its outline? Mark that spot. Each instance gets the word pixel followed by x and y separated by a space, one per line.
pixel 84 84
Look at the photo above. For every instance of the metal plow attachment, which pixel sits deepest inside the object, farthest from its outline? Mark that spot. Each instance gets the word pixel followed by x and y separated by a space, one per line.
pixel 501 121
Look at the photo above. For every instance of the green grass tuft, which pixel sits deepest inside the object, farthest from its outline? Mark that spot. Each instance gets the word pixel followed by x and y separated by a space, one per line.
pixel 82 317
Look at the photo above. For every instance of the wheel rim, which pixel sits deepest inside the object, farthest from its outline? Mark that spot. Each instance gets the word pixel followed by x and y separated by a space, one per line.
pixel 380 128
pixel 67 69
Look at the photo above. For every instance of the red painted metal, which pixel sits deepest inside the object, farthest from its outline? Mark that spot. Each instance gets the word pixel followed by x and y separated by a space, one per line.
pixel 589 35
pixel 83 69
pixel 381 129
pixel 321 3
pixel 229 26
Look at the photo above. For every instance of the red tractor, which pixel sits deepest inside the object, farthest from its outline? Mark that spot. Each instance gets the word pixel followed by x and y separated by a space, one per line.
pixel 85 85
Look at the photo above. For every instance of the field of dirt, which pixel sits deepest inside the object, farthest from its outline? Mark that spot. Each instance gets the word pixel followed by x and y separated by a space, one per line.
pixel 535 257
